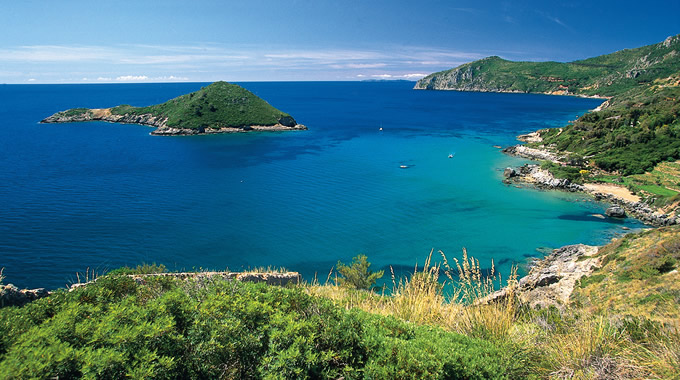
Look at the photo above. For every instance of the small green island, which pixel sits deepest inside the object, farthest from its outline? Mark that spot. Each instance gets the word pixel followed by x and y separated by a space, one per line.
pixel 218 108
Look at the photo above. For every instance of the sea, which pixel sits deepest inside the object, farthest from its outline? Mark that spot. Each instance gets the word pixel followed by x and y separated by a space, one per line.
pixel 371 176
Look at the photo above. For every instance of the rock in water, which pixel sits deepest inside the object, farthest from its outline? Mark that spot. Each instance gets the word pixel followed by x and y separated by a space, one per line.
pixel 509 173
pixel 615 212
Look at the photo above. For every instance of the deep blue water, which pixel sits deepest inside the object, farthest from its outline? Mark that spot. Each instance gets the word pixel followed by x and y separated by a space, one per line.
pixel 102 195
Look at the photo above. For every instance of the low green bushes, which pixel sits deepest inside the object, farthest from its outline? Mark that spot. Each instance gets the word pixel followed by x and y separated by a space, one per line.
pixel 167 328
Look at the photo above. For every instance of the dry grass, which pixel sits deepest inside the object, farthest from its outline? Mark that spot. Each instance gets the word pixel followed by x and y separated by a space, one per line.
pixel 664 353
pixel 628 284
pixel 591 349
pixel 425 298
pixel 569 344
pixel 597 347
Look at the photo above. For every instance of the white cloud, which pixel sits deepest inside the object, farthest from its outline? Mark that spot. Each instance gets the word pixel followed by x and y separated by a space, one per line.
pixel 410 76
pixel 128 78
pixel 54 53
pixel 217 61
pixel 557 20
pixel 31 80
pixel 365 65
pixel 170 78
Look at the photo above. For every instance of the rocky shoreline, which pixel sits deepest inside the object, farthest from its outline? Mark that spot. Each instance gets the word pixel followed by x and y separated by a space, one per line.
pixel 540 178
pixel 551 280
pixel 162 129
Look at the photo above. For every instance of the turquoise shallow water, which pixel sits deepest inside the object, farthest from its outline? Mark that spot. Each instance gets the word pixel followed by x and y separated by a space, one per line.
pixel 101 195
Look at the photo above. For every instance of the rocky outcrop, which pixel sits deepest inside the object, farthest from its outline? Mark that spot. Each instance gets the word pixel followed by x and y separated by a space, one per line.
pixel 532 137
pixel 286 123
pixel 615 212
pixel 534 154
pixel 551 280
pixel 104 114
pixel 171 131
pixel 510 173
pixel 540 178
pixel 10 295
pixel 269 278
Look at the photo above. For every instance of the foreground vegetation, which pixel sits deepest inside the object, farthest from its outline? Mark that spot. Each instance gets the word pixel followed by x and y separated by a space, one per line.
pixel 622 323
pixel 166 328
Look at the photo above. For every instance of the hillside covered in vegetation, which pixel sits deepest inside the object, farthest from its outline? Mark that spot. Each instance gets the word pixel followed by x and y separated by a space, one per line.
pixel 218 108
pixel 639 126
pixel 620 322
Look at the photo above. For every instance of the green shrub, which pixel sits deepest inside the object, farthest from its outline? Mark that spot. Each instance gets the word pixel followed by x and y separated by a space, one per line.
pixel 140 269
pixel 357 274
pixel 117 328
pixel 592 279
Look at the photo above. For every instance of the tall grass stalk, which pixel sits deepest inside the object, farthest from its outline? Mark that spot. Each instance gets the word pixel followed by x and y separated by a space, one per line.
pixel 481 316
pixel 421 298
pixel 592 348
pixel 664 354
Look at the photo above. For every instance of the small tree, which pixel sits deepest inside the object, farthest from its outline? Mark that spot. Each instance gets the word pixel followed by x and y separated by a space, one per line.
pixel 357 275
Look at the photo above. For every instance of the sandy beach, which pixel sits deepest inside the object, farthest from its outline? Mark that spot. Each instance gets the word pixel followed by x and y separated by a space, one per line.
pixel 616 191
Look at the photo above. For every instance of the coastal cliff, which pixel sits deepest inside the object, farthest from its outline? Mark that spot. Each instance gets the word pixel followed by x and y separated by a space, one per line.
pixel 218 108
pixel 632 141
pixel 603 76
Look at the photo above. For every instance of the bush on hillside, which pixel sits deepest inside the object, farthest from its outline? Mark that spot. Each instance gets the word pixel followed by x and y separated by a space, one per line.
pixel 166 328
pixel 357 274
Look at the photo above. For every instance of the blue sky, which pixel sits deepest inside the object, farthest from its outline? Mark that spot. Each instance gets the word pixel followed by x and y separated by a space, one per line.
pixel 77 41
